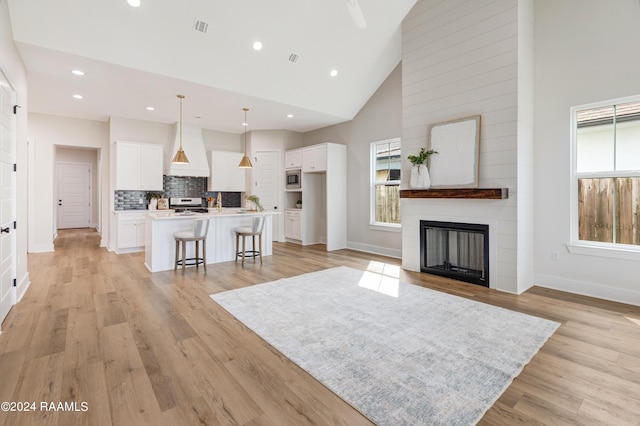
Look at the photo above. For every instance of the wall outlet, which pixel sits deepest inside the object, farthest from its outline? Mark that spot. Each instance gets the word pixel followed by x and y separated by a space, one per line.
pixel 140 201
pixel 555 255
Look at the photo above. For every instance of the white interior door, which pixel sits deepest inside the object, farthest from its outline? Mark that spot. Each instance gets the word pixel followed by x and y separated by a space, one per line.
pixel 7 197
pixel 74 195
pixel 266 183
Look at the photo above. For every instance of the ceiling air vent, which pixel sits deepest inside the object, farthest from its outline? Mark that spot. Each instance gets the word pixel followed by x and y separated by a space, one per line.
pixel 200 26
pixel 293 58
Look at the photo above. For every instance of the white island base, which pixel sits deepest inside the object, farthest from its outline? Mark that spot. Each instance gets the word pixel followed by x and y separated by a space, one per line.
pixel 221 239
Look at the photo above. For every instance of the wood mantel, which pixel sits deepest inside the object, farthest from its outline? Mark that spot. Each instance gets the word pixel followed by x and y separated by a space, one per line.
pixel 474 193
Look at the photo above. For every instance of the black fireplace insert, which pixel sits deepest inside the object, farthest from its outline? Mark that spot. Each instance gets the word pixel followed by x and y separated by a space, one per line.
pixel 455 250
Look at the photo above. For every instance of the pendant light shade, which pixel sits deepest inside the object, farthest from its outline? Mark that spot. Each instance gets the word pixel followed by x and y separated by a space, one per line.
pixel 180 157
pixel 245 163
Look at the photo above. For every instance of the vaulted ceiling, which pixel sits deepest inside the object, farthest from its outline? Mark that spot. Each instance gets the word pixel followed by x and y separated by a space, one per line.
pixel 145 56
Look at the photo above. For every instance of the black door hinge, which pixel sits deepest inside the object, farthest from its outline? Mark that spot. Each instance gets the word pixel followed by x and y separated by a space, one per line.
pixel 15 224
pixel 15 284
pixel 15 167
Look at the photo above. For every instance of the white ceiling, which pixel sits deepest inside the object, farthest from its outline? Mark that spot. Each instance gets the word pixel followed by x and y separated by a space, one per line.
pixel 145 56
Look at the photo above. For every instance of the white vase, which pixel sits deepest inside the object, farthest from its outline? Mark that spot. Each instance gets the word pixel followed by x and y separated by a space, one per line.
pixel 420 177
pixel 153 204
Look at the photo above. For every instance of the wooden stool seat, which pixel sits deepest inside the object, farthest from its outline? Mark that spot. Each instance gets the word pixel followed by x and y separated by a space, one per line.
pixel 198 234
pixel 257 224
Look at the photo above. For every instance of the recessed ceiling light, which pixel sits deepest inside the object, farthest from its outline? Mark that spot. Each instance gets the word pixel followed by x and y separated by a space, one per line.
pixel 245 124
pixel 134 3
pixel 289 115
pixel 77 72
pixel 150 108
pixel 78 96
pixel 257 45
pixel 333 73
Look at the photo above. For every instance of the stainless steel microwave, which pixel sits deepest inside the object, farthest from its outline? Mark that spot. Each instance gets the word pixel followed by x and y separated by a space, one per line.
pixel 294 179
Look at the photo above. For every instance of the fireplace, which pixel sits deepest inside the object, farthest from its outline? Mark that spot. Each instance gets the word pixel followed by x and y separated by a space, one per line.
pixel 455 250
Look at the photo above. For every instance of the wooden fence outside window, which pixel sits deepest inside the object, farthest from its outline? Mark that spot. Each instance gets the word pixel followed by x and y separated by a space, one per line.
pixel 609 210
pixel 388 203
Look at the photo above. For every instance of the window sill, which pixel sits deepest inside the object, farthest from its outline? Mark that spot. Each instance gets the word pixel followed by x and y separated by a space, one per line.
pixel 388 228
pixel 621 252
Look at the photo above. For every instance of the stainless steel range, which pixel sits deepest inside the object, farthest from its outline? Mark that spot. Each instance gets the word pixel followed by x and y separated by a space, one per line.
pixel 183 205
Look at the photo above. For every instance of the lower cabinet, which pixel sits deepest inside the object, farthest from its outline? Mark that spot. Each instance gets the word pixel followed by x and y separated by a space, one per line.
pixel 293 224
pixel 131 232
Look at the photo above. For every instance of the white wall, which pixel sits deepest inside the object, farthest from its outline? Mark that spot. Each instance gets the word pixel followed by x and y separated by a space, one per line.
pixel 379 119
pixel 586 51
pixel 462 59
pixel 12 66
pixel 46 133
pixel 221 141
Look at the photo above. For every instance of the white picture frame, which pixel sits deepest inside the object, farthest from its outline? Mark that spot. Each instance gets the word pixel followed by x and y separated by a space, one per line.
pixel 457 143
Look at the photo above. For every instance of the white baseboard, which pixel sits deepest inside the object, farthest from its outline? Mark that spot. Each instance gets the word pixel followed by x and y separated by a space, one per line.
pixel 41 248
pixel 583 288
pixel 367 248
pixel 22 287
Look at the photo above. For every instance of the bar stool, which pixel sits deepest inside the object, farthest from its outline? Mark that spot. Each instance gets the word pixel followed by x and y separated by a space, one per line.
pixel 199 233
pixel 257 224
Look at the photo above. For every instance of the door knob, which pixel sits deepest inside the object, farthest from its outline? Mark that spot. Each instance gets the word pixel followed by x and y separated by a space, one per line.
pixel 4 230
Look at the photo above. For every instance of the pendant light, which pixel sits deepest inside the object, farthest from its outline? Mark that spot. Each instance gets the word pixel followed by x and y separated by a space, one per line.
pixel 180 157
pixel 245 163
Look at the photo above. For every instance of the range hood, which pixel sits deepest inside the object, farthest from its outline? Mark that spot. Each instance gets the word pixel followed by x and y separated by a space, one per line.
pixel 193 147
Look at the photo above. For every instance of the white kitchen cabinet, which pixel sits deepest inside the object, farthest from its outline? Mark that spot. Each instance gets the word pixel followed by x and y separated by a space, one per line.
pixel 138 166
pixel 293 224
pixel 324 196
pixel 225 173
pixel 131 232
pixel 314 158
pixel 293 159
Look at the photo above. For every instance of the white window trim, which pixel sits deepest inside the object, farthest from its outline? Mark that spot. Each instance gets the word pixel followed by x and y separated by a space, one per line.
pixel 594 248
pixel 379 226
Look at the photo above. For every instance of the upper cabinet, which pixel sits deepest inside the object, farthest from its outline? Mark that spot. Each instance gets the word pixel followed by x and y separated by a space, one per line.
pixel 293 159
pixel 314 158
pixel 139 166
pixel 225 173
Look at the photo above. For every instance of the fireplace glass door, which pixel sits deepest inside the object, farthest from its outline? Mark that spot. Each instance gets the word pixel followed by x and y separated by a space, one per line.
pixel 455 250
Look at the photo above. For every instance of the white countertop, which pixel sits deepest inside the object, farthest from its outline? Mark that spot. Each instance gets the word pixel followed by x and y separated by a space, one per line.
pixel 213 213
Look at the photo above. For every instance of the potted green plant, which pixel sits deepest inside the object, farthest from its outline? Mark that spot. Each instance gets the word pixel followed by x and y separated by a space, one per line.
pixel 299 204
pixel 255 200
pixel 419 172
pixel 152 199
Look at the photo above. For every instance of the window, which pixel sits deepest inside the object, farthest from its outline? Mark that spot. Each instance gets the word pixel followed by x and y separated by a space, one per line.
pixel 385 183
pixel 606 173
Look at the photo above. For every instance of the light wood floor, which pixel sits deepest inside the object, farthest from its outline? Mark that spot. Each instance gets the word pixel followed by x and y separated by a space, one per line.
pixel 142 348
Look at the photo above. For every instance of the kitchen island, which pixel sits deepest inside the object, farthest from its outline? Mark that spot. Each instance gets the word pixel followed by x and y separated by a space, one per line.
pixel 221 240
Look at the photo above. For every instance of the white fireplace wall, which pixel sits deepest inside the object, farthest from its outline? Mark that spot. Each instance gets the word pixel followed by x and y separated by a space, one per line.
pixel 411 235
pixel 463 58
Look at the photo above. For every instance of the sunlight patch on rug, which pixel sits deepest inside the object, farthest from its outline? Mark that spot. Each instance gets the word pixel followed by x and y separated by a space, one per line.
pixel 398 353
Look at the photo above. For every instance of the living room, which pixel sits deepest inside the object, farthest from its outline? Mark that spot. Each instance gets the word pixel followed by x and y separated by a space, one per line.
pixel 522 66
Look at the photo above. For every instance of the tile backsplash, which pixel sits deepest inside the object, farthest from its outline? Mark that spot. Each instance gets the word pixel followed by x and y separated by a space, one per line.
pixel 130 200
pixel 176 186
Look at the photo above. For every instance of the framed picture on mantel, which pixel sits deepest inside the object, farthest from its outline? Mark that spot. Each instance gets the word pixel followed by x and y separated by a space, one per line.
pixel 457 143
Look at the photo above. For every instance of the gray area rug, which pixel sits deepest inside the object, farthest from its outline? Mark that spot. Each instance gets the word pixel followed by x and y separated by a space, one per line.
pixel 399 353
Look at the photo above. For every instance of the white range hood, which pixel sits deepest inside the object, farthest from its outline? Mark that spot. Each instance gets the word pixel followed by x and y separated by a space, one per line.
pixel 193 147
